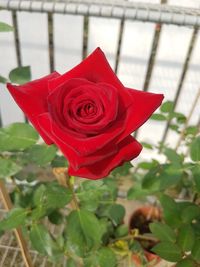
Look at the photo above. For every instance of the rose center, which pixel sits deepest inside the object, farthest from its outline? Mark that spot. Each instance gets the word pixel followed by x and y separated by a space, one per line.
pixel 87 110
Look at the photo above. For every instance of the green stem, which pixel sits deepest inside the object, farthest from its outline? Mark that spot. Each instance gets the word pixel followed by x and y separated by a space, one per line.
pixel 74 198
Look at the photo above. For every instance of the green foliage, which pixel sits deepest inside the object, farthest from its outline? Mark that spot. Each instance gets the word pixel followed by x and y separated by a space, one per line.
pixel 168 251
pixel 122 170
pixel 115 212
pixel 171 211
pixel 163 232
pixel 195 149
pixel 52 195
pixel 17 136
pixel 186 237
pixel 4 27
pixel 20 75
pixel 106 257
pixel 83 231
pixel 8 168
pixel 3 79
pixel 43 242
pixel 167 107
pixel 196 250
pixel 41 154
pixel 158 117
pixel 14 218
pixel 186 263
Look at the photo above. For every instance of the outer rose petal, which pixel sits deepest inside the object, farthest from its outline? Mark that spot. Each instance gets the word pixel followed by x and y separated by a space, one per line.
pixel 143 105
pixel 81 145
pixel 32 99
pixel 128 149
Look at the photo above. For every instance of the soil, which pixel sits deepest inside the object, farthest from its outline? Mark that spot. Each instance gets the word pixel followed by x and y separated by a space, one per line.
pixel 141 220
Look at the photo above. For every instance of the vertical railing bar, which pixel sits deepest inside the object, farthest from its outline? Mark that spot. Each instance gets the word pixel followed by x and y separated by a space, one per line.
pixel 119 44
pixel 51 41
pixel 182 78
pixel 85 36
pixel 181 135
pixel 17 44
pixel 152 57
pixel 154 48
pixel 16 37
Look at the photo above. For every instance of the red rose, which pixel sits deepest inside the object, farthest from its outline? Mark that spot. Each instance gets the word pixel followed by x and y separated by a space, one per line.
pixel 88 114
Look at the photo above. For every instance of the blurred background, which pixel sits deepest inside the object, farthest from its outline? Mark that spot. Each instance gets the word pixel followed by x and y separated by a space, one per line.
pixel 146 55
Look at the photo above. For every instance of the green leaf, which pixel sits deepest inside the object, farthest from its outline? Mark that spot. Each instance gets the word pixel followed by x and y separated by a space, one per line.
pixel 42 241
pixel 14 218
pixel 83 231
pixel 4 27
pixel 171 211
pixel 172 156
pixel 106 257
pixel 195 149
pixel 158 117
pixel 167 107
pixel 168 251
pixel 122 170
pixel 20 75
pixel 52 195
pixel 186 237
pixel 147 145
pixel 196 175
pixel 196 250
pixel 137 192
pixel 189 213
pixel 71 263
pixel 151 179
pixel 59 161
pixel 41 154
pixel 8 168
pixel 191 130
pixel 170 176
pixel 180 118
pixel 55 217
pixel 174 127
pixel 17 136
pixel 121 230
pixel 3 79
pixel 92 185
pixel 114 212
pixel 147 165
pixel 186 263
pixel 163 232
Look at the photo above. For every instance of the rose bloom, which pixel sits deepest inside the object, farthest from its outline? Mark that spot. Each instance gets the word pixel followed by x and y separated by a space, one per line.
pixel 88 114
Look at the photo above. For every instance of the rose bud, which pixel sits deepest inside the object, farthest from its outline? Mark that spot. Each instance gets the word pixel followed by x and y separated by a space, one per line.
pixel 88 114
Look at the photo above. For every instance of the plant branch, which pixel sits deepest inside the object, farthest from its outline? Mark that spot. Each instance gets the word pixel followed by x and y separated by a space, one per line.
pixel 65 180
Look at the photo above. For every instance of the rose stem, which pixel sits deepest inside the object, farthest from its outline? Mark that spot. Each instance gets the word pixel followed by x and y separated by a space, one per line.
pixel 67 181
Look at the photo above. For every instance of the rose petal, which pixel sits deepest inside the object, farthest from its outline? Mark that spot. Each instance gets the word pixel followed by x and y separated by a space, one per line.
pixel 81 145
pixel 75 160
pixel 128 149
pixel 32 99
pixel 95 68
pixel 143 105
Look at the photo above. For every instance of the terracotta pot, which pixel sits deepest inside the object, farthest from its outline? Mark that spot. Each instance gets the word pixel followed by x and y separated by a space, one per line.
pixel 140 219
